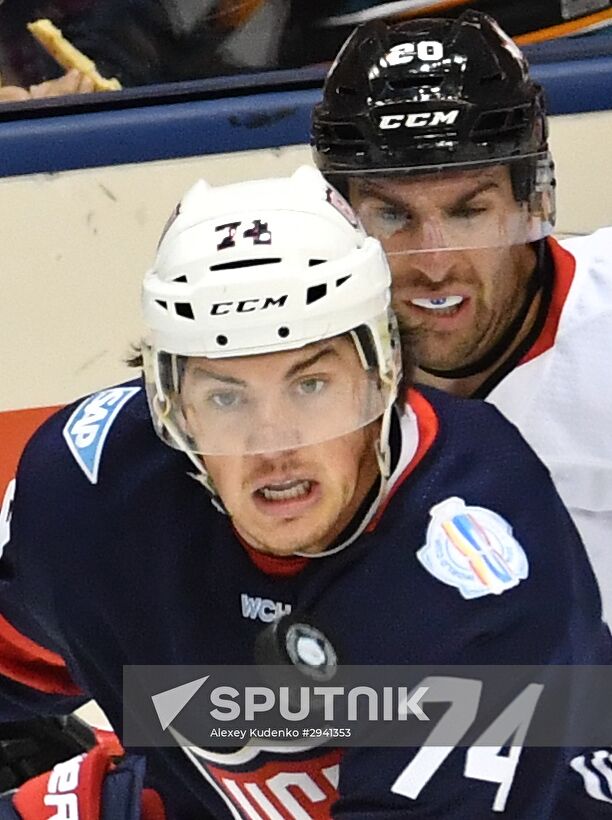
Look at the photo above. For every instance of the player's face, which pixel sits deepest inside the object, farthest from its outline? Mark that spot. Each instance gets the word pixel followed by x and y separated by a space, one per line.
pixel 459 268
pixel 296 498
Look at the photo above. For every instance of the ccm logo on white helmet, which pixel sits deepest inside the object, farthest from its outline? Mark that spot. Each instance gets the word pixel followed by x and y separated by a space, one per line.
pixel 418 120
pixel 247 305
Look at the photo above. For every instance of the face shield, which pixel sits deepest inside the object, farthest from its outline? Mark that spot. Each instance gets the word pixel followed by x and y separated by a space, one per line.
pixel 269 402
pixel 449 208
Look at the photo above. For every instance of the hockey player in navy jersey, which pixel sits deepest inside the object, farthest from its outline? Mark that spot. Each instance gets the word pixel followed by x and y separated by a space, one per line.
pixel 285 470
pixel 438 135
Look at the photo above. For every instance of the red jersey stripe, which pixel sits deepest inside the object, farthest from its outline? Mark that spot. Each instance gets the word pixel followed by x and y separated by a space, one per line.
pixel 26 662
pixel 428 425
pixel 565 268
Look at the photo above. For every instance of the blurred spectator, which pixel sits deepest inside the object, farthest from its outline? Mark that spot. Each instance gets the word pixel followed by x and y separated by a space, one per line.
pixel 22 61
pixel 72 82
pixel 147 41
pixel 155 41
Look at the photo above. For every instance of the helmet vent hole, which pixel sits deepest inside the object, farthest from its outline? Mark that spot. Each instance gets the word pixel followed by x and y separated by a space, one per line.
pixel 184 309
pixel 342 280
pixel 314 293
pixel 519 118
pixel 246 263
pixel 222 340
pixel 313 262
pixel 161 303
pixel 491 122
pixel 283 332
pixel 343 132
pixel 182 278
pixel 416 81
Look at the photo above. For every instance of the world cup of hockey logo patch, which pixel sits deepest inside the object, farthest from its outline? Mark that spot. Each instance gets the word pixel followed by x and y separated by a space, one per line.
pixel 473 549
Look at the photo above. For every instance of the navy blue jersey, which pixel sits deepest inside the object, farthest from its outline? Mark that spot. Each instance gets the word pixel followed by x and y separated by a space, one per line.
pixel 117 557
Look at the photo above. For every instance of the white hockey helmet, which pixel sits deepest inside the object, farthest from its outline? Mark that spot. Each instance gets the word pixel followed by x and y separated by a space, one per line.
pixel 261 267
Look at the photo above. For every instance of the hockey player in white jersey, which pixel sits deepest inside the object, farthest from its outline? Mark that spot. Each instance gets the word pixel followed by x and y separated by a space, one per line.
pixel 438 135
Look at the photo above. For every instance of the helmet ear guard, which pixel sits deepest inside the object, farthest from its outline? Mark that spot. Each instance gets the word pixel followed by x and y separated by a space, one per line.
pixel 382 345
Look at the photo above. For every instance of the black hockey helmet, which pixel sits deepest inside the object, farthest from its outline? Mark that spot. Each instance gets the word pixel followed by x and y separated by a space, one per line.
pixel 426 93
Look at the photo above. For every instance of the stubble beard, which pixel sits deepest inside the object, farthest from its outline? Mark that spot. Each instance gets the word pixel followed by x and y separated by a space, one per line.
pixel 445 351
pixel 320 536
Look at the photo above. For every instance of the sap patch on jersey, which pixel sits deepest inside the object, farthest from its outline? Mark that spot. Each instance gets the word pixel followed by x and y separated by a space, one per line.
pixel 89 425
pixel 473 549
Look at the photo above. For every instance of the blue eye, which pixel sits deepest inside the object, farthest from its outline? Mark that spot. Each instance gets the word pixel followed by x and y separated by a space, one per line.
pixel 309 387
pixel 391 214
pixel 225 399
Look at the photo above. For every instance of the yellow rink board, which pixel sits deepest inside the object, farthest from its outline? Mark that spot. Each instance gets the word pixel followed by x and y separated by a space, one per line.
pixel 76 244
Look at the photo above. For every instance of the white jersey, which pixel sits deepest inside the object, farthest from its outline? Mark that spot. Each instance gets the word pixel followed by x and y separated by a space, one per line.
pixel 560 395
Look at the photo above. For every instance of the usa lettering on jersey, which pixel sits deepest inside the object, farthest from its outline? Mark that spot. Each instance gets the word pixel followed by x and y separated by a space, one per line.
pixel 285 789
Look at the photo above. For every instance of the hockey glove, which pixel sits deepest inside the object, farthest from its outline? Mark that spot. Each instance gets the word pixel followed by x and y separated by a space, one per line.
pixel 87 787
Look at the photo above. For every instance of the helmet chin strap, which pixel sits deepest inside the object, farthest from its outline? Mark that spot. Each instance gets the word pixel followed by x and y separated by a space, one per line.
pixel 201 475
pixel 491 356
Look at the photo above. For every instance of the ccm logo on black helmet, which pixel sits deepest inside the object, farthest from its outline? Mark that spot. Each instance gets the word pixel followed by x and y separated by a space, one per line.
pixel 247 305
pixel 418 119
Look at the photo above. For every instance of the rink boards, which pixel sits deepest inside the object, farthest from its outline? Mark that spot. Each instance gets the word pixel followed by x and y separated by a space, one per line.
pixel 85 193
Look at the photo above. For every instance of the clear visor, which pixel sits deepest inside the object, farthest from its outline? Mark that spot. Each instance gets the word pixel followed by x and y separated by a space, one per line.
pixel 265 403
pixel 450 208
